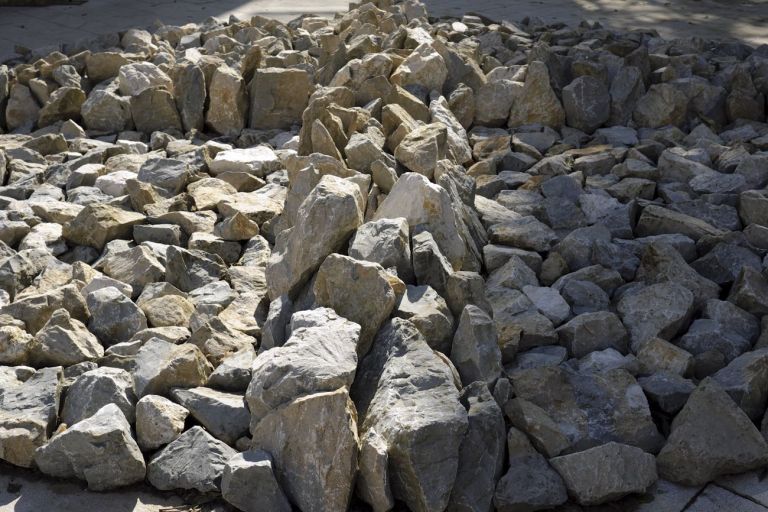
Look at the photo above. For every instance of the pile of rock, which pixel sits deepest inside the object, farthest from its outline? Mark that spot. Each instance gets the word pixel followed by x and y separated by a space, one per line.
pixel 384 262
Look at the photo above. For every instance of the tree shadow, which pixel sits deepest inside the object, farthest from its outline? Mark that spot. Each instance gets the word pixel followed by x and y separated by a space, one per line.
pixel 744 20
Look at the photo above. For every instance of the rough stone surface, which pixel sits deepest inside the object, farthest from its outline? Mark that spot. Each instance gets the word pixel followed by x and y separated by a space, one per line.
pixel 99 450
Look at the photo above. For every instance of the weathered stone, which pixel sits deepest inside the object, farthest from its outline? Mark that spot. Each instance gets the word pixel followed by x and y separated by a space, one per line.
pixel 114 318
pixel 606 472
pixel 481 454
pixel 357 290
pixel 710 437
pixel 249 483
pixel 593 331
pixel 536 102
pixel 154 109
pixel 158 421
pixel 96 388
pixel 224 415
pixel 190 88
pixel 335 208
pixel 315 463
pixel 425 419
pixel 530 483
pixel 161 366
pixel 28 415
pixel 194 460
pixel 662 105
pixel 422 67
pixel 475 350
pixel 64 103
pixel 659 310
pixel 228 102
pixel 320 356
pixel 99 450
pixel 105 111
pixel 587 103
pixel 22 110
pixel 136 77
pixel 429 313
pixel 427 204
pixel 278 97
pixel 97 224
pixel 386 242
pixel 745 379
pixel 595 408
pixel 421 149
pixel 191 269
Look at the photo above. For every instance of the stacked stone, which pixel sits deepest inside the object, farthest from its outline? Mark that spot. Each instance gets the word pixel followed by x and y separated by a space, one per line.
pixel 382 262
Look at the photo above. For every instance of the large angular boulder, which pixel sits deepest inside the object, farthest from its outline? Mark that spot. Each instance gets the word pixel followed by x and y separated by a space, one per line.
pixel 320 355
pixel 249 483
pixel 334 208
pixel 29 412
pixel 228 102
pixel 710 437
pixel 315 461
pixel 114 318
pixel 413 421
pixel 530 483
pixel 195 460
pixel 386 242
pixel 594 408
pixel 96 388
pixel 224 415
pixel 475 350
pixel 424 67
pixel 158 421
pixel 606 473
pixel 64 341
pixel 481 455
pixel 358 290
pixel 160 366
pixel 278 97
pixel 97 224
pixel 587 103
pixel 536 101
pixel 99 450
pixel 424 203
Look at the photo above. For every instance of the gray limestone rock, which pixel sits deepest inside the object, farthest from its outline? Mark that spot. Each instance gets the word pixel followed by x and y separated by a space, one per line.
pixel 99 450
pixel 194 460
pixel 606 473
pixel 710 437
pixel 249 483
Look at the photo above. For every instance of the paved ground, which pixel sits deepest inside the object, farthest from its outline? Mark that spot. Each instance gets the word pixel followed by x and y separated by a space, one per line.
pixel 41 26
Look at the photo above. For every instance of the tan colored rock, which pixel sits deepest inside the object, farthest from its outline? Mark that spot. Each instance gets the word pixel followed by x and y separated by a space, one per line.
pixel 98 224
pixel 278 97
pixel 228 102
pixel 334 208
pixel 537 102
pixel 313 441
pixel 357 290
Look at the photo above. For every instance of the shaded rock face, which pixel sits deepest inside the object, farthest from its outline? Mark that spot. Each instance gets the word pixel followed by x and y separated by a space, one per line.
pixel 99 450
pixel 29 411
pixel 315 464
pixel 337 263
pixel 435 420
